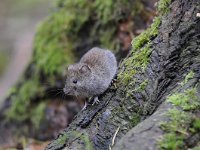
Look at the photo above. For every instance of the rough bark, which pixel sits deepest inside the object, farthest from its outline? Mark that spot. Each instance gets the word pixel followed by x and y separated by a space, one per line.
pixel 174 52
pixel 149 135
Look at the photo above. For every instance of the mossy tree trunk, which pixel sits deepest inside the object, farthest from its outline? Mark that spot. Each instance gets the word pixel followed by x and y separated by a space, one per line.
pixel 62 38
pixel 155 101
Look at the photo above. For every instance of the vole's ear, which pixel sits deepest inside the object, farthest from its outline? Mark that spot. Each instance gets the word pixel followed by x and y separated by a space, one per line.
pixel 69 67
pixel 85 69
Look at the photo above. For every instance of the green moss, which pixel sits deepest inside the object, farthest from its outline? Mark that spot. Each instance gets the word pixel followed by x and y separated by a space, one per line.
pixel 179 122
pixel 140 60
pixel 12 90
pixel 176 130
pixel 183 122
pixel 107 38
pixel 83 137
pixel 38 114
pixel 143 85
pixel 140 53
pixel 140 88
pixel 22 109
pixel 145 37
pixel 163 6
pixel 134 119
pixel 137 64
pixel 21 101
pixel 54 41
pixel 52 53
pixel 196 123
pixel 87 142
pixel 171 142
pixel 189 76
pixel 62 139
pixel 104 9
pixel 110 12
pixel 187 100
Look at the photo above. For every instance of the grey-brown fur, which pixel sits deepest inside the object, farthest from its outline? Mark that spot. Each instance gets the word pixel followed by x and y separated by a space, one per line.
pixel 93 73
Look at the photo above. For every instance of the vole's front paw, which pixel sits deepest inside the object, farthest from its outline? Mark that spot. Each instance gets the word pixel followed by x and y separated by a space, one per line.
pixel 95 101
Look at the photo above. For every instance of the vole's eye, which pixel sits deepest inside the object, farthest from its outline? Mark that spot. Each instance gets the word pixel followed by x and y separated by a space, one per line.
pixel 74 81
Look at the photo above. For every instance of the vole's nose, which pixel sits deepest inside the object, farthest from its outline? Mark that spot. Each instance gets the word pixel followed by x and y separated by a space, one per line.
pixel 65 91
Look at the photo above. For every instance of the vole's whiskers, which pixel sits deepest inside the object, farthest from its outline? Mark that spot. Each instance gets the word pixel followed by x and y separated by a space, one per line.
pixel 58 93
pixel 54 90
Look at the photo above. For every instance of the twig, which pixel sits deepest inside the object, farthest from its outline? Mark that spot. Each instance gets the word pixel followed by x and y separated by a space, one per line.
pixel 113 140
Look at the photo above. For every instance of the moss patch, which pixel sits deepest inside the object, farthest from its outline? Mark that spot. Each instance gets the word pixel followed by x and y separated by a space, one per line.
pixel 134 119
pixel 83 137
pixel 20 101
pixel 187 100
pixel 171 142
pixel 140 53
pixel 62 140
pixel 38 114
pixel 189 76
pixel 87 142
pixel 177 130
pixel 145 37
pixel 183 121
pixel 135 64
pixel 163 6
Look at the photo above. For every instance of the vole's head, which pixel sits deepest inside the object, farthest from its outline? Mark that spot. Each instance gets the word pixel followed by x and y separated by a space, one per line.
pixel 77 78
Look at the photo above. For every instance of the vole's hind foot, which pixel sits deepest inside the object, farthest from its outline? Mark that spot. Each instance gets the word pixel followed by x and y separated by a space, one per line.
pixel 113 82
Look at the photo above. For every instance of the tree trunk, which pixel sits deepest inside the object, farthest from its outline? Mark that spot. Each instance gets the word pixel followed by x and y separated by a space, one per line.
pixel 154 104
pixel 62 38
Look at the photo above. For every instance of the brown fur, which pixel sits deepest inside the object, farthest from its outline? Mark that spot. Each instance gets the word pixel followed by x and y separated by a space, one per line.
pixel 92 75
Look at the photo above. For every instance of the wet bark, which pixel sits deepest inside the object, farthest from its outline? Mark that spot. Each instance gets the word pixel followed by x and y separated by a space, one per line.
pixel 175 51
